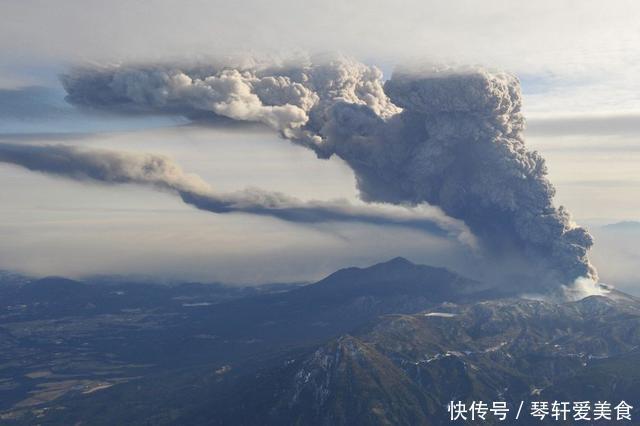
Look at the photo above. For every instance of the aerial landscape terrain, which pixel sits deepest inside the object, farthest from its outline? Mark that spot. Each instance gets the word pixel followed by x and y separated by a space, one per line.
pixel 362 213
pixel 389 344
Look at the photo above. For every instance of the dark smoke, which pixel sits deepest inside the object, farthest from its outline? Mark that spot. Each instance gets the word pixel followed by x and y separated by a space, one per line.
pixel 451 138
pixel 113 167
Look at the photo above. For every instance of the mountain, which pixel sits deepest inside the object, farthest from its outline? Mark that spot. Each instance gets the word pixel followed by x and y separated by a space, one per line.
pixel 627 225
pixel 106 334
pixel 389 344
pixel 8 279
pixel 404 369
pixel 345 300
pixel 52 289
pixel 53 297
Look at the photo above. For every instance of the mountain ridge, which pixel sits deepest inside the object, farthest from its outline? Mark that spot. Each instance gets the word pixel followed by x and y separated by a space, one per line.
pixel 392 343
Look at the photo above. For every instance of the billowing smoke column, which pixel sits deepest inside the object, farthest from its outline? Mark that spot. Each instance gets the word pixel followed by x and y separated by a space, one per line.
pixel 463 150
pixel 451 138
pixel 114 167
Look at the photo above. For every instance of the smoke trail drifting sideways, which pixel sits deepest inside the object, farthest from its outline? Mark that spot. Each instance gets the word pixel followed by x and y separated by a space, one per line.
pixel 114 167
pixel 450 138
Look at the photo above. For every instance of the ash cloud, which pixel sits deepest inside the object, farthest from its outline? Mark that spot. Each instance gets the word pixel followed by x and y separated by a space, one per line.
pixel 451 138
pixel 159 172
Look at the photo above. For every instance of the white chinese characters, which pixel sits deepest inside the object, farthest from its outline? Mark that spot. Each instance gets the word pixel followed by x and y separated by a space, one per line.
pixel 586 411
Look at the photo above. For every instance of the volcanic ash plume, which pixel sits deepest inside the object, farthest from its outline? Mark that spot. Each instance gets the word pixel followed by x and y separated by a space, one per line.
pixel 115 167
pixel 451 138
pixel 470 159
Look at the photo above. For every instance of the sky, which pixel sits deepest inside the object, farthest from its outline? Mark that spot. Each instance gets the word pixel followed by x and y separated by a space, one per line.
pixel 577 61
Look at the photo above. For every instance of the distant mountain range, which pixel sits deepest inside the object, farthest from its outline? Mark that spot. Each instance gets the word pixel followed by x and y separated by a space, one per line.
pixel 624 225
pixel 391 344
